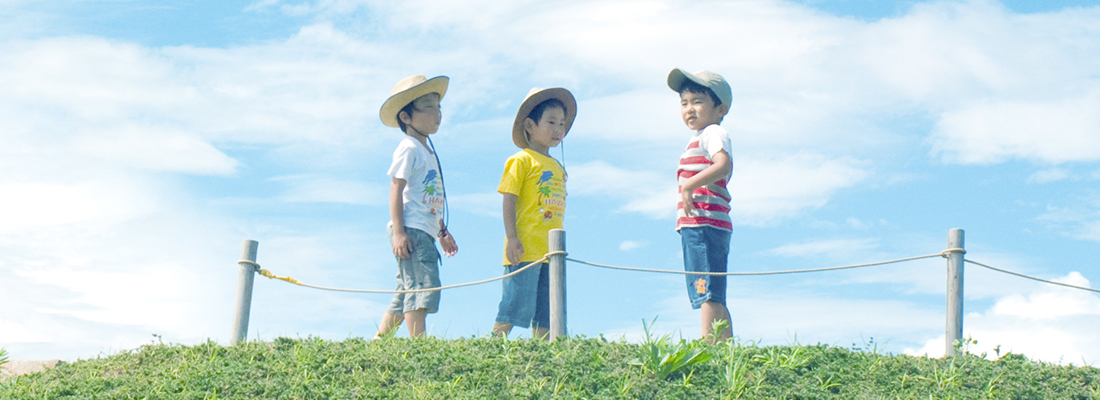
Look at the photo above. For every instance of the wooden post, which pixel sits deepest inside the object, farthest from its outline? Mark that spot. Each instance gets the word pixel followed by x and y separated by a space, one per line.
pixel 557 285
pixel 244 292
pixel 955 271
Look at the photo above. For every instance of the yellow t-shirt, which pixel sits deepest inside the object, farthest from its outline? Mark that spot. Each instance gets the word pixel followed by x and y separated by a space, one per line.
pixel 539 183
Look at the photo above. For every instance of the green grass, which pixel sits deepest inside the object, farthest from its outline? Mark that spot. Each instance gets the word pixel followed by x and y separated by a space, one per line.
pixel 575 368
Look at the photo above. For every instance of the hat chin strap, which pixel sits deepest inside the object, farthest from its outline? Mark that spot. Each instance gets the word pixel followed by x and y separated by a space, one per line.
pixel 415 131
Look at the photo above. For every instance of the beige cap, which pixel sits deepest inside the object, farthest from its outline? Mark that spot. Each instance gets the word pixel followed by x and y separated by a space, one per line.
pixel 716 83
pixel 534 98
pixel 408 90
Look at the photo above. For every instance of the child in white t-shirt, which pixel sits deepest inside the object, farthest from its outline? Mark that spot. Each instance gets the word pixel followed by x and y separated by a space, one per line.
pixel 417 202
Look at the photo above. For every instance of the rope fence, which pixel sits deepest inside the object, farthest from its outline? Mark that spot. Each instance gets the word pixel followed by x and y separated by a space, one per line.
pixel 943 254
pixel 546 257
pixel 1032 277
pixel 557 258
pixel 268 274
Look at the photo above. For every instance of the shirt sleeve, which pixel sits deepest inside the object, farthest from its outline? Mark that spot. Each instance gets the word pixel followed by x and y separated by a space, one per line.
pixel 715 138
pixel 404 162
pixel 514 171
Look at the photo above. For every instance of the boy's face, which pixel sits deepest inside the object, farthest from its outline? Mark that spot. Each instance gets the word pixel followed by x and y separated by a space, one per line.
pixel 550 129
pixel 426 115
pixel 698 110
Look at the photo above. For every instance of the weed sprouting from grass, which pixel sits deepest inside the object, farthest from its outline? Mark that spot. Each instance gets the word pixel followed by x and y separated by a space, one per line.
pixel 716 328
pixel 787 358
pixel 736 369
pixel 663 359
pixel 3 358
pixel 869 345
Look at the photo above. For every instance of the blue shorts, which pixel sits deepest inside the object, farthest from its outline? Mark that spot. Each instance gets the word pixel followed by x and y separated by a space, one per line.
pixel 525 301
pixel 419 271
pixel 706 249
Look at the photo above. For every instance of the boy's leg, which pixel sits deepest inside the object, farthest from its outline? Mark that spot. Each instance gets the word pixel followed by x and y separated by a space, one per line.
pixel 414 320
pixel 540 333
pixel 540 324
pixel 706 249
pixel 391 319
pixel 390 322
pixel 711 312
pixel 422 272
pixel 718 242
pixel 501 328
pixel 517 302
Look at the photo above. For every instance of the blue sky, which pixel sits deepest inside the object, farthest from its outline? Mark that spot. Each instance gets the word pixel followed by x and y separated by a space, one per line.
pixel 144 142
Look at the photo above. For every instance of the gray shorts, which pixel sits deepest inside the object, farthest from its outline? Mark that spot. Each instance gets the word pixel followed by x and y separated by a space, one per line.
pixel 419 271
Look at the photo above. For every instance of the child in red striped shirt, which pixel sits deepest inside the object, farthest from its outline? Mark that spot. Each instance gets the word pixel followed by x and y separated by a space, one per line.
pixel 702 215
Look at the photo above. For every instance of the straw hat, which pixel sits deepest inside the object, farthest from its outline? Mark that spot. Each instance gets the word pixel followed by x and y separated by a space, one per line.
pixel 406 91
pixel 716 83
pixel 536 96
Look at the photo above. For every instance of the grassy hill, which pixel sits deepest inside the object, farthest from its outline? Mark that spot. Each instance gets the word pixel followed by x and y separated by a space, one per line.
pixel 575 368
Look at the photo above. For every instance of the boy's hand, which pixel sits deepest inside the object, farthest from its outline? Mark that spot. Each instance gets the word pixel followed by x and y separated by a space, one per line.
pixel 688 200
pixel 514 251
pixel 450 248
pixel 402 247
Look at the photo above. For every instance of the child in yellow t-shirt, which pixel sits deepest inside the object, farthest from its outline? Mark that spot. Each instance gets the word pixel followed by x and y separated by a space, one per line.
pixel 533 186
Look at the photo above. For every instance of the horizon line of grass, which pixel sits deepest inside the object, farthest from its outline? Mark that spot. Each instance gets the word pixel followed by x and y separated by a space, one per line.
pixel 576 367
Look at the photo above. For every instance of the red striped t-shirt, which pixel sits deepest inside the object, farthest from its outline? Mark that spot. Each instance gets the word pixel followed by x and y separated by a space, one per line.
pixel 711 201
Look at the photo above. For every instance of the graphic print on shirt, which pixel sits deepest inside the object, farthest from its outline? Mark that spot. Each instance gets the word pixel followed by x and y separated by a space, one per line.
pixel 551 195
pixel 433 196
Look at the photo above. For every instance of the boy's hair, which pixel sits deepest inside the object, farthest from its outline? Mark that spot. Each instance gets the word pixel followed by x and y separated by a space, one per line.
pixel 536 113
pixel 693 87
pixel 407 109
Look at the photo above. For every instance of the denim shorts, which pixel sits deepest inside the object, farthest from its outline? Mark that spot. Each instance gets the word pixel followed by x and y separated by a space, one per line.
pixel 419 271
pixel 525 301
pixel 706 249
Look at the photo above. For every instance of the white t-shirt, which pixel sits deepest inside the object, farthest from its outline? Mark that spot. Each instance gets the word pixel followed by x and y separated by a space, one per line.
pixel 713 138
pixel 422 200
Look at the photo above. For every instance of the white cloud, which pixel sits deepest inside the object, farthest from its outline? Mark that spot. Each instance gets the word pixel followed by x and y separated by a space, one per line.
pixel 647 192
pixel 28 205
pixel 1045 132
pixel 1081 221
pixel 87 285
pixel 322 189
pixel 833 248
pixel 1052 324
pixel 13 332
pixel 628 245
pixel 1048 175
pixel 763 190
pixel 484 204
pixel 768 189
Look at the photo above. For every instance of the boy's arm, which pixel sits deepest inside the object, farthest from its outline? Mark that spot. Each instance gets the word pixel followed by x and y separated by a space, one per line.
pixel 513 249
pixel 402 247
pixel 719 170
pixel 447 240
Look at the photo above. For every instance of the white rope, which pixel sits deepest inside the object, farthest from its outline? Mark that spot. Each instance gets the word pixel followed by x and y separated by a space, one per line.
pixel 1032 277
pixel 943 254
pixel 799 271
pixel 268 274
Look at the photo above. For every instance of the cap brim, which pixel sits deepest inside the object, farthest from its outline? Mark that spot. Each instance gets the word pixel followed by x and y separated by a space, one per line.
pixel 677 77
pixel 396 102
pixel 532 101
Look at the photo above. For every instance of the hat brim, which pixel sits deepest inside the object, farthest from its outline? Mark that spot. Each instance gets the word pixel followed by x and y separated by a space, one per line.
pixel 396 102
pixel 534 100
pixel 716 83
pixel 677 77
